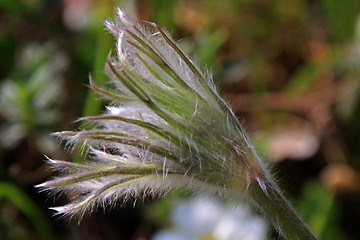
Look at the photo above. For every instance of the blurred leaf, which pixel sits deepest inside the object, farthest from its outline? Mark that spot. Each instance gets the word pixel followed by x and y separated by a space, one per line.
pixel 208 46
pixel 23 102
pixel 17 197
pixel 11 5
pixel 319 209
pixel 7 49
pixel 162 10
pixel 341 18
pixel 303 79
pixel 102 49
pixel 306 76
pixel 347 104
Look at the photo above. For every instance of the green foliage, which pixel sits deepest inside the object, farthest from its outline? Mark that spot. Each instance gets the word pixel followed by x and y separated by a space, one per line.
pixel 341 18
pixel 31 211
pixel 29 97
pixel 208 45
pixel 320 209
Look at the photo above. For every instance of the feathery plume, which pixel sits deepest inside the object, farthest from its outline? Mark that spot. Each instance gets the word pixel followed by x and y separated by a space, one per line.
pixel 166 127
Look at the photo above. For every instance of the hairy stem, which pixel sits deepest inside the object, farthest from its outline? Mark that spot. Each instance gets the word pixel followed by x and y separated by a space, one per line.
pixel 280 212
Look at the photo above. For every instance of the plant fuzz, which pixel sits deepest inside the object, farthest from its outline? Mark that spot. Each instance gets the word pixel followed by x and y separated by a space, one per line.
pixel 166 127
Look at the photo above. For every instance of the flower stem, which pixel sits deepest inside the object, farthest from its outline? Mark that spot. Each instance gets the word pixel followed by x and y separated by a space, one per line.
pixel 280 212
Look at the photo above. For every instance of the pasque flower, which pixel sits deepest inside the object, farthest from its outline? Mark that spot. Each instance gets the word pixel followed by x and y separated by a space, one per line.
pixel 165 127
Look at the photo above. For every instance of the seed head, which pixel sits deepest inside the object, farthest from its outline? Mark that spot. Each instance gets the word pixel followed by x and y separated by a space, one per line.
pixel 165 127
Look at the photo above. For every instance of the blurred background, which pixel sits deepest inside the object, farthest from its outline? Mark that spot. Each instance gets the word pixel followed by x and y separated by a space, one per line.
pixel 289 68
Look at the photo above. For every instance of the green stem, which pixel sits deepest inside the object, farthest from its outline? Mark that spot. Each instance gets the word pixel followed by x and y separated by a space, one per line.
pixel 280 212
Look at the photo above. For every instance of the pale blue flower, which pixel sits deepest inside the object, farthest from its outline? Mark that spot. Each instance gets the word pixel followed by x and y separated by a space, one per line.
pixel 203 218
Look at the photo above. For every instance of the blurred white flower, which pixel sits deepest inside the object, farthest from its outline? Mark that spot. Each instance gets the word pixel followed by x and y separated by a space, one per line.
pixel 203 218
pixel 292 143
